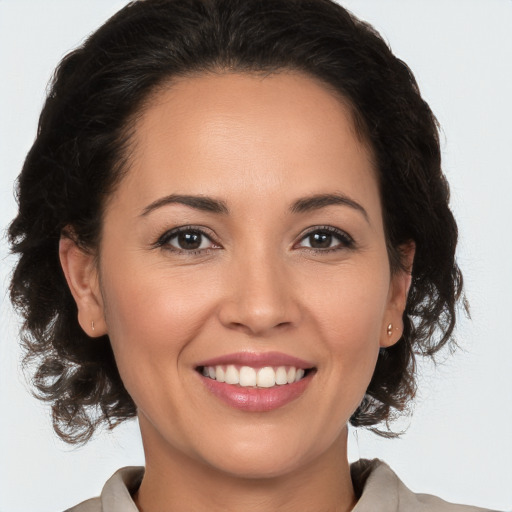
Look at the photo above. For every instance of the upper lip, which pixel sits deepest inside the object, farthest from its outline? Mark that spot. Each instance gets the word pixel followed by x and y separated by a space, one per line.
pixel 257 360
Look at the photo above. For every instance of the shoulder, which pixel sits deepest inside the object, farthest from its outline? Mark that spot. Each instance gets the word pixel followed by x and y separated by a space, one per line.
pixel 116 495
pixel 379 488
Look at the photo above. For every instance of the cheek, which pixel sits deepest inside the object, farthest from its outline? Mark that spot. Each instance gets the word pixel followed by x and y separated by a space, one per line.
pixel 349 311
pixel 350 303
pixel 152 319
pixel 152 316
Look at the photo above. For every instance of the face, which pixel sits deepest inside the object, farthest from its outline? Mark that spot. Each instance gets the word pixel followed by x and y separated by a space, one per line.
pixel 245 242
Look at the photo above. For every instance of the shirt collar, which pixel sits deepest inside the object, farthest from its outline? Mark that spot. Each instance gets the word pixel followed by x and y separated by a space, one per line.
pixel 373 480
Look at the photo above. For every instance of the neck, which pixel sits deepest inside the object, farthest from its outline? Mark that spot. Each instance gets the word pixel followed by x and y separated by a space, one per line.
pixel 174 481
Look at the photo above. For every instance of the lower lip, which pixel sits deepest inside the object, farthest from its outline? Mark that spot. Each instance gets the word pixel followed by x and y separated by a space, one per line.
pixel 254 399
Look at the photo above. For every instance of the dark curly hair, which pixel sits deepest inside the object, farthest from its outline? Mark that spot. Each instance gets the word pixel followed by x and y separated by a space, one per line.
pixel 83 142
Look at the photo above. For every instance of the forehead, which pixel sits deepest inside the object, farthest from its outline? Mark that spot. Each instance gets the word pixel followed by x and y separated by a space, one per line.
pixel 218 134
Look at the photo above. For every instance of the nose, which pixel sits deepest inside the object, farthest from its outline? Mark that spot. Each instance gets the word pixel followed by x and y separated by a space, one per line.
pixel 261 297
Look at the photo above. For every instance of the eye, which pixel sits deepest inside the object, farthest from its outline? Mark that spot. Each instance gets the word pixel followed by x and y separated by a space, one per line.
pixel 326 239
pixel 186 239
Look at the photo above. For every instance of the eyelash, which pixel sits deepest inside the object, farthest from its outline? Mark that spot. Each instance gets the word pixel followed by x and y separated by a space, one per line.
pixel 346 241
pixel 164 240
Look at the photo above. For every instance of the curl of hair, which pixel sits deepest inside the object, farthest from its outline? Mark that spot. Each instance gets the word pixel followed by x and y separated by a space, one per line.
pixel 82 148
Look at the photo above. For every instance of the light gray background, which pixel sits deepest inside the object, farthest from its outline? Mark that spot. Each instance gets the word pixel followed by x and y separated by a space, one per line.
pixel 458 443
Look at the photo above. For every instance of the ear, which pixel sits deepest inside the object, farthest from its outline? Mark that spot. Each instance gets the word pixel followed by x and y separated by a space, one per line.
pixel 400 283
pixel 79 267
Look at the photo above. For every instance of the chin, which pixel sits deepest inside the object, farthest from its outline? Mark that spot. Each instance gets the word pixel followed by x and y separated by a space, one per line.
pixel 270 458
pixel 250 466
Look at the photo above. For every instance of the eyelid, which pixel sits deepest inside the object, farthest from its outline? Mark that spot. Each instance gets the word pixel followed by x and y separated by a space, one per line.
pixel 346 241
pixel 163 240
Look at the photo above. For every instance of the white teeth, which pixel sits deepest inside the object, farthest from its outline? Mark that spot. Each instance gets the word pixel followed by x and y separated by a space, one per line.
pixel 265 377
pixel 232 375
pixel 247 376
pixel 220 374
pixel 281 377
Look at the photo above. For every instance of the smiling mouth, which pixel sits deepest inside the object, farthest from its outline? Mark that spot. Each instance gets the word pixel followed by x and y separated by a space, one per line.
pixel 249 377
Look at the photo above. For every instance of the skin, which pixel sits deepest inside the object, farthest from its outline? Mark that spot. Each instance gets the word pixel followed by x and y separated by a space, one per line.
pixel 258 144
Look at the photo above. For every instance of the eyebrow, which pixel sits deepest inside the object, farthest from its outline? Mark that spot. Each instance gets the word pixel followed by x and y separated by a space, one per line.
pixel 203 203
pixel 317 201
pixel 211 205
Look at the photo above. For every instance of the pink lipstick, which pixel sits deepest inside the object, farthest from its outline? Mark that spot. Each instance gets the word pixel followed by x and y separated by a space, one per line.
pixel 256 382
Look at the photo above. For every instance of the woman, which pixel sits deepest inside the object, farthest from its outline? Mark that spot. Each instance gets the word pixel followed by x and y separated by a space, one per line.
pixel 246 203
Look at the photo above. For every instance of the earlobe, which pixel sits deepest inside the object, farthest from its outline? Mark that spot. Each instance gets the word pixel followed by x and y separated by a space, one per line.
pixel 400 285
pixel 81 275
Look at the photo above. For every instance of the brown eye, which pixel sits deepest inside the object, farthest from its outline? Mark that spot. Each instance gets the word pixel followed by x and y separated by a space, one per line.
pixel 320 240
pixel 189 240
pixel 185 240
pixel 327 239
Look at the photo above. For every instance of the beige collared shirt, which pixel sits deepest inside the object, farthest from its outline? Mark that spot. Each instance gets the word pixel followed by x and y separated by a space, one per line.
pixel 379 488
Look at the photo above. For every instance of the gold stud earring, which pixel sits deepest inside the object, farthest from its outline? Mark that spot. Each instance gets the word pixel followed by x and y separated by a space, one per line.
pixel 92 325
pixel 390 329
